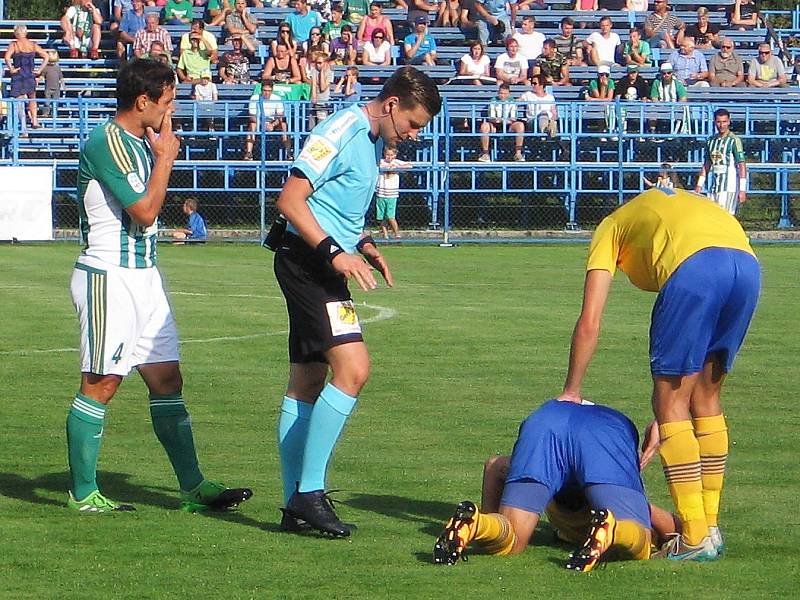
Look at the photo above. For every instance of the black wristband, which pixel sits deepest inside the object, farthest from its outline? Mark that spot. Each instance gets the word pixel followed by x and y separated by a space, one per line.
pixel 367 239
pixel 329 249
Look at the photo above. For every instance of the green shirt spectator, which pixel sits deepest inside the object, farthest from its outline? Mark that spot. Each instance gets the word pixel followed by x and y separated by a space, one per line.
pixel 178 11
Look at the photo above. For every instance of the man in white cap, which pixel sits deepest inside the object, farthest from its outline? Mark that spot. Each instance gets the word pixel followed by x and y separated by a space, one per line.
pixel 666 89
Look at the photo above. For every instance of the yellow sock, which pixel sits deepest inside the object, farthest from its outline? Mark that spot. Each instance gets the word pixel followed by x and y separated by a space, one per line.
pixel 680 457
pixel 494 533
pixel 712 435
pixel 631 540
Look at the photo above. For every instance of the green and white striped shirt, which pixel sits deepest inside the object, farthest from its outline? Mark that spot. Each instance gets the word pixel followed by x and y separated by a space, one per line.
pixel 723 153
pixel 113 172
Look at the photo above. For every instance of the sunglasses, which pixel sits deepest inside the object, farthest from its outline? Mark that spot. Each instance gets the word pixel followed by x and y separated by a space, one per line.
pixel 603 75
pixel 764 52
pixel 284 31
pixel 727 47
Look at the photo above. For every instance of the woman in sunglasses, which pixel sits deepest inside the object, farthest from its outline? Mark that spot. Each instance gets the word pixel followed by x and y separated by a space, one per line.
pixel 286 36
pixel 316 43
pixel 377 51
pixel 373 21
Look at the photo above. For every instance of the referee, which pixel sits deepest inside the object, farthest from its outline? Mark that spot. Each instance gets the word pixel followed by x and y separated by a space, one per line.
pixel 324 201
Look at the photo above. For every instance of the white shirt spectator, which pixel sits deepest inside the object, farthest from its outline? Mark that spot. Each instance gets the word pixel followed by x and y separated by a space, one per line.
pixel 473 67
pixel 530 44
pixel 379 54
pixel 270 109
pixel 605 46
pixel 513 67
pixel 503 110
pixel 538 105
pixel 205 93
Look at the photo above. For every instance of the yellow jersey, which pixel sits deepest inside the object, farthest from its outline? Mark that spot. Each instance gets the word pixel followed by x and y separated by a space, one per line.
pixel 649 237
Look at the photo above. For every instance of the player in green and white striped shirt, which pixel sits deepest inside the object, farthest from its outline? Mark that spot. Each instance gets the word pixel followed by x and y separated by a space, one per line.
pixel 125 317
pixel 724 166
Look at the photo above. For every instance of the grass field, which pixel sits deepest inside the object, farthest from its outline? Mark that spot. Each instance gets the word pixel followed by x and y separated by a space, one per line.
pixel 467 343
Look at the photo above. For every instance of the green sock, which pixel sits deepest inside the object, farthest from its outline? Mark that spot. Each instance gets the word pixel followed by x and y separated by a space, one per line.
pixel 84 434
pixel 173 429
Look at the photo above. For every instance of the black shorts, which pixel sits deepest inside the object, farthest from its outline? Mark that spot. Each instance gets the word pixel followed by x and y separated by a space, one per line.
pixel 321 312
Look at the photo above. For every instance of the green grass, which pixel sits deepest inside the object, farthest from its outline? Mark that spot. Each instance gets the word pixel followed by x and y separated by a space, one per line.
pixel 479 338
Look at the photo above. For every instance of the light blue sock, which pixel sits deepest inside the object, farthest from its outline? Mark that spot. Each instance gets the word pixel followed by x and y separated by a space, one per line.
pixel 292 433
pixel 327 421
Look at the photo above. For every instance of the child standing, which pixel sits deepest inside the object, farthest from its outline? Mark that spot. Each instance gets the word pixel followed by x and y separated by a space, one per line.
pixel 53 82
pixel 388 191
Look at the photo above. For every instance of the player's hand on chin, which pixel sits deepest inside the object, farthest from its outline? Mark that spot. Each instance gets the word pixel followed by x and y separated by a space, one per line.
pixel 354 267
pixel 166 144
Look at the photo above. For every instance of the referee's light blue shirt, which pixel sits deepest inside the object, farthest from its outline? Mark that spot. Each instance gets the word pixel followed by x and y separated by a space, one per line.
pixel 340 160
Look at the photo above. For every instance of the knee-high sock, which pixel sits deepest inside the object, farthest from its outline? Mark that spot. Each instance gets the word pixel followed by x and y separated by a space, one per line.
pixel 494 533
pixel 173 428
pixel 84 435
pixel 712 435
pixel 292 433
pixel 631 540
pixel 680 457
pixel 328 417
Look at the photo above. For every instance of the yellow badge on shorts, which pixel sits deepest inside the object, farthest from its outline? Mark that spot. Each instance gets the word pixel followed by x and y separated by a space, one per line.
pixel 343 318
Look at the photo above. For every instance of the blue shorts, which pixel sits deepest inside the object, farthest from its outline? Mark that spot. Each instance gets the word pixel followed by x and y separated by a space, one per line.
pixel 704 308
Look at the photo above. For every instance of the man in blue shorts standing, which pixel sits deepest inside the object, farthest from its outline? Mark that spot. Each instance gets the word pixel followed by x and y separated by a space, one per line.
pixel 699 260
pixel 579 464
pixel 324 201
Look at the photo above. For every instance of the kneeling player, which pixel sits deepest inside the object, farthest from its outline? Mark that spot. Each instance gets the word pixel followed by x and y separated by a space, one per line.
pixel 579 464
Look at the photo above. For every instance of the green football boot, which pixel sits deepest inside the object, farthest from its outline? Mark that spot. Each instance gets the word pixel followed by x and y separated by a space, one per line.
pixel 213 496
pixel 96 503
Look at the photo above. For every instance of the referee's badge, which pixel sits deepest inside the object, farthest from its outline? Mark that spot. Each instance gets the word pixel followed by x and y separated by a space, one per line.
pixel 343 318
pixel 318 153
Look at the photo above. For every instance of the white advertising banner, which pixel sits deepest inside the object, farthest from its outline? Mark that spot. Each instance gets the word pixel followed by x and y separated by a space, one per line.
pixel 26 203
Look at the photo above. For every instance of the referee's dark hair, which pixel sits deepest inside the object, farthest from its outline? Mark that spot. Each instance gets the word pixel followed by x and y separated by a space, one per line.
pixel 722 112
pixel 142 76
pixel 413 88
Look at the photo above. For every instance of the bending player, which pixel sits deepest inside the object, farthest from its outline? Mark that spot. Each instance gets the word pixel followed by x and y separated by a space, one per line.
pixel 579 464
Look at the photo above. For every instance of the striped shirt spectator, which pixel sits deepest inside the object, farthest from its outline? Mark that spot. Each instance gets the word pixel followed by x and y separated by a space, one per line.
pixel 151 33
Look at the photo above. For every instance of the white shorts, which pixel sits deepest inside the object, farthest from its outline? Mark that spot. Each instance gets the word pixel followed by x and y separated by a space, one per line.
pixel 125 318
pixel 727 200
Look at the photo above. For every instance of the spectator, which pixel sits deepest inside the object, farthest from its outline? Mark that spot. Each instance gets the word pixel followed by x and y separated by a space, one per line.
pixel 377 51
pixel 726 68
pixel 356 10
pixel 552 67
pixel 239 21
pixel 375 20
pixel 320 75
pixel 120 7
pixel 502 116
pixel 302 20
pixel 475 63
pixel 349 87
pixel 286 36
pixel 661 27
pixel 194 61
pixel 744 15
pixel 667 88
pixel 690 64
pixel 602 89
pixel 419 46
pixel 178 12
pixel 132 22
pixel 207 39
pixel 81 24
pixel 568 44
pixel 494 22
pixel 20 61
pixel 234 66
pixel 471 12
pixel 419 8
pixel 206 93
pixel 282 67
pixel 541 114
pixel 448 14
pixel 585 5
pixel 525 4
pixel 152 32
pixel 511 67
pixel 767 70
pixel 196 231
pixel 635 6
pixel 666 178
pixel 316 43
pixel 53 82
pixel 703 33
pixel 216 10
pixel 343 48
pixel 266 109
pixel 602 46
pixel 636 51
pixel 530 41
pixel 159 53
pixel 631 88
pixel 387 191
pixel 333 28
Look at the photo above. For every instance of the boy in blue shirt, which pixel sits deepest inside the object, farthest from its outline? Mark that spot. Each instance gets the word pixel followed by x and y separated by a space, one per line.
pixel 196 232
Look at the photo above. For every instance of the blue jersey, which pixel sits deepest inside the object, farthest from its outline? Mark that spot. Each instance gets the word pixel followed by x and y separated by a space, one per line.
pixel 340 160
pixel 568 445
pixel 198 227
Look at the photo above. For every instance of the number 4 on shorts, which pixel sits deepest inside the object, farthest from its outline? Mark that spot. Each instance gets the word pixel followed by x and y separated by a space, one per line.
pixel 117 356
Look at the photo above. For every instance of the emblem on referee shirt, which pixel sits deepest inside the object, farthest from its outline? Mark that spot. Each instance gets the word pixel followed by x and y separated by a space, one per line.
pixel 343 318
pixel 318 153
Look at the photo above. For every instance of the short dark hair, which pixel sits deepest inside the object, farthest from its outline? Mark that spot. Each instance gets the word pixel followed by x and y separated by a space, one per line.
pixel 504 86
pixel 606 18
pixel 142 76
pixel 347 28
pixel 568 21
pixel 413 87
pixel 550 42
pixel 199 22
pixel 722 112
pixel 378 4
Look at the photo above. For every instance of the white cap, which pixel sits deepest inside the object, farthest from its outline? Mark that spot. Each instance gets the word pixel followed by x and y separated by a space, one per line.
pixel 604 69
pixel 666 67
